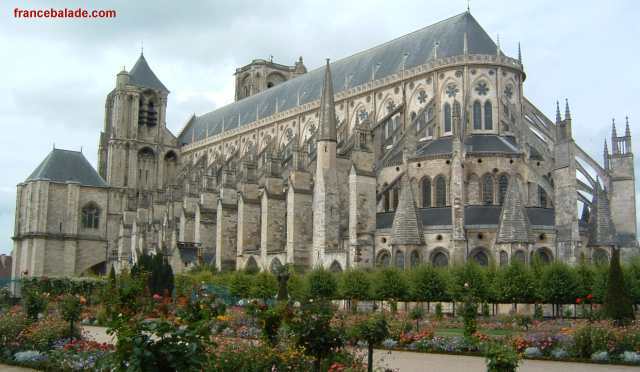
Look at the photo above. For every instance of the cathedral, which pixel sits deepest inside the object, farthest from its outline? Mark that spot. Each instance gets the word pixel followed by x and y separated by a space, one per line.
pixel 419 150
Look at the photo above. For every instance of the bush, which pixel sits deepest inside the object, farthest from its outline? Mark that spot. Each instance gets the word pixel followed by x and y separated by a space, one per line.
pixel 240 284
pixel 11 324
pixel 264 286
pixel 439 314
pixel 70 308
pixel 34 303
pixel 42 334
pixel 501 358
pixel 589 339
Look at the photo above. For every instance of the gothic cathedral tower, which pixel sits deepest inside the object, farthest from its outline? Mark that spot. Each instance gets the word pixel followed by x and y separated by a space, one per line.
pixel 326 217
pixel 136 151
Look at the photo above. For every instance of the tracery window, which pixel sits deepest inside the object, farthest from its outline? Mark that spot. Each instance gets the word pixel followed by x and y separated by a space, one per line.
pixel 426 192
pixel 503 184
pixel 488 115
pixel 90 216
pixel 400 260
pixel 481 258
pixel 441 192
pixel 477 115
pixel 447 117
pixel 487 189
pixel 414 259
pixel 383 259
pixel 504 258
pixel 542 196
pixel 440 260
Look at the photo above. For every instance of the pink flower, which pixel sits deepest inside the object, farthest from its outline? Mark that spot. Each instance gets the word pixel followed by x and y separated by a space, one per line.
pixel 157 297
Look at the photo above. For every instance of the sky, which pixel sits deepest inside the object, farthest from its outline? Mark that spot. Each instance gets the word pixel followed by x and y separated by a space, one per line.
pixel 56 73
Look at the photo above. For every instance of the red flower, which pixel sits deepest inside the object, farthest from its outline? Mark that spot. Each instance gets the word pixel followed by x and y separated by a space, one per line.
pixel 578 300
pixel 589 296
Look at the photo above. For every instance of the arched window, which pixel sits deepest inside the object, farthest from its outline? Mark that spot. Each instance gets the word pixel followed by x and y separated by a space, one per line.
pixel 600 257
pixel 440 260
pixel 396 197
pixel 275 265
pixel 487 189
pixel 385 196
pixel 488 115
pixel 477 115
pixel 383 259
pixel 414 259
pixel 447 117
pixel 441 192
pixel 251 266
pixel 503 184
pixel 519 257
pixel 91 216
pixel 400 260
pixel 504 258
pixel 480 257
pixel 542 197
pixel 426 192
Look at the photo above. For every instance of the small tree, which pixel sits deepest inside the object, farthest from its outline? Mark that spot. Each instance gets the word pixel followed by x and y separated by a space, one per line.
pixel 515 284
pixel 632 279
pixel 390 284
pixel 312 330
pixel 428 284
pixel 558 285
pixel 474 277
pixel 417 314
pixel 373 331
pixel 617 305
pixel 322 284
pixel 34 303
pixel 354 285
pixel 71 307
pixel 264 286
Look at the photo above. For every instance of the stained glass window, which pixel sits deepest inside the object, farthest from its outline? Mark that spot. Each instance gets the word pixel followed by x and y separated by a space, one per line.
pixel 503 184
pixel 488 115
pixel 426 192
pixel 447 117
pixel 477 115
pixel 482 88
pixel 487 189
pixel 90 217
pixel 441 192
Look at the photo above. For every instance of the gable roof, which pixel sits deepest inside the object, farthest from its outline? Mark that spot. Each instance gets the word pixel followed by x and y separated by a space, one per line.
pixel 387 59
pixel 141 75
pixel 67 166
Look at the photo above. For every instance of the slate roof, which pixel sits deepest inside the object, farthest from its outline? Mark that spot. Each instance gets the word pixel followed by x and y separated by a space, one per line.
pixel 141 75
pixel 67 166
pixel 474 215
pixel 358 68
pixel 477 143
pixel 514 219
pixel 407 229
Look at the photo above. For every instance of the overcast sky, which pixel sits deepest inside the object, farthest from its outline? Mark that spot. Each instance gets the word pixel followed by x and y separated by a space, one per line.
pixel 57 73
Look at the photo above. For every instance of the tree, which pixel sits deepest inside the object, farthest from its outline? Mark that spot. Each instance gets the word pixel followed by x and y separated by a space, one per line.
pixel 473 275
pixel 617 304
pixel 427 284
pixel 322 284
pixel 354 285
pixel 558 285
pixel 515 284
pixel 158 272
pixel 373 331
pixel 586 277
pixel 632 279
pixel 391 285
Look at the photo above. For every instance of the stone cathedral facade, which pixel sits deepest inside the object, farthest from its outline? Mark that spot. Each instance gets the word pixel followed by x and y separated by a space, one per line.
pixel 420 150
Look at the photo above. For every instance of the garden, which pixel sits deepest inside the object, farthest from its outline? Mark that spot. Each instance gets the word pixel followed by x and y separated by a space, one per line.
pixel 205 320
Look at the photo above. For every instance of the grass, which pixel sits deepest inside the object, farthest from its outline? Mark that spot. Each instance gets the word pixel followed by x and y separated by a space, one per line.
pixel 460 332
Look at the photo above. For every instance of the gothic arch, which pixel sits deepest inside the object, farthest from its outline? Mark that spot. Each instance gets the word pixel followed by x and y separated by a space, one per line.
pixel 488 188
pixel 335 267
pixel 439 257
pixel 399 260
pixel 414 258
pixel 600 256
pixel 90 215
pixel 480 255
pixel 170 168
pixel 503 186
pixel 275 78
pixel 382 110
pixel 544 254
pixel 146 167
pixel 251 265
pixel 504 258
pixel 519 256
pixel 425 192
pixel 383 259
pixel 275 265
pixel 440 192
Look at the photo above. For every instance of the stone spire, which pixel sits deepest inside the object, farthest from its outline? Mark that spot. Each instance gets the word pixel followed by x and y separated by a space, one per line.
pixel 558 118
pixel 567 112
pixel 614 137
pixel 514 222
pixel 601 227
pixel 606 155
pixel 407 226
pixel 627 131
pixel 519 53
pixel 327 116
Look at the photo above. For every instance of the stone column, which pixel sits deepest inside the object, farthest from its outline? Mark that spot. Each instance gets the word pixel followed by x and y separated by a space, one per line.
pixel 299 218
pixel 227 225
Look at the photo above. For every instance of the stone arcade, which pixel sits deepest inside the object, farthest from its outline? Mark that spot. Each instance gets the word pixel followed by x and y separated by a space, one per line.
pixel 422 149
